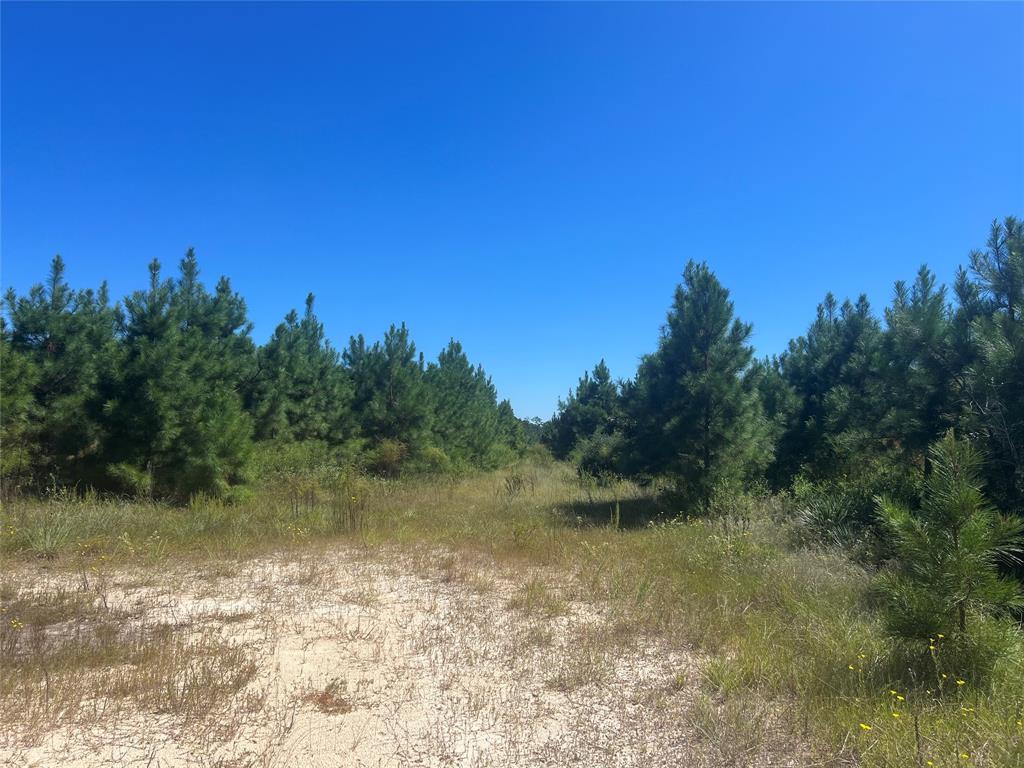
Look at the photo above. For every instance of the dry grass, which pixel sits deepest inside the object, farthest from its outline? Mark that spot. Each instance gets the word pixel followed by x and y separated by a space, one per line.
pixel 72 659
pixel 753 641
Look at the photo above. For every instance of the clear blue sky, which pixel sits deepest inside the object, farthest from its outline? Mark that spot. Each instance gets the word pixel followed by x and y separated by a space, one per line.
pixel 530 179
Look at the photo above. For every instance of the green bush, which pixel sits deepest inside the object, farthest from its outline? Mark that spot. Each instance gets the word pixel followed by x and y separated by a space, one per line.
pixel 129 479
pixel 430 460
pixel 386 457
pixel 598 455
pixel 842 511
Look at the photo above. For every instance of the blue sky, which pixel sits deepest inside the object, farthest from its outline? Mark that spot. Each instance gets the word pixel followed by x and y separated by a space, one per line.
pixel 530 179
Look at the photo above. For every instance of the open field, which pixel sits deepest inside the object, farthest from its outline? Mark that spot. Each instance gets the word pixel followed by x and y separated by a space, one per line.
pixel 511 618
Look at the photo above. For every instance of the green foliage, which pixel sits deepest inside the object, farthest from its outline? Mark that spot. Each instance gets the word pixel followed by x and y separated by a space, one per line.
pixel 386 457
pixel 432 461
pixel 917 374
pixel 692 414
pixel 174 412
pixel 165 395
pixel 595 408
pixel 695 409
pixel 841 510
pixel 18 378
pixel 68 338
pixel 391 400
pixel 992 382
pixel 273 459
pixel 823 386
pixel 300 391
pixel 948 552
pixel 839 506
pixel 466 418
pixel 599 454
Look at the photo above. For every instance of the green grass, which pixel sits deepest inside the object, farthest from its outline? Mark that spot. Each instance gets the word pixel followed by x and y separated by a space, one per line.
pixel 788 633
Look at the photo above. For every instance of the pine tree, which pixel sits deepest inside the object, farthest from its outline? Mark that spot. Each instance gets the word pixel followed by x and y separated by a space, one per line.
pixel 390 400
pixel 514 433
pixel 465 415
pixel 1000 268
pixel 781 406
pixel 696 410
pixel 177 423
pixel 918 353
pixel 301 392
pixel 593 408
pixel 832 372
pixel 991 387
pixel 19 376
pixel 69 338
pixel 949 551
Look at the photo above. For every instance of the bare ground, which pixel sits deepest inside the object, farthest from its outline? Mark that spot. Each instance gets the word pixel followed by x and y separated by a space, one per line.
pixel 353 658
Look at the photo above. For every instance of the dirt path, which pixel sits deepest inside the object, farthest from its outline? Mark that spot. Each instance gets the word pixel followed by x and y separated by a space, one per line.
pixel 396 661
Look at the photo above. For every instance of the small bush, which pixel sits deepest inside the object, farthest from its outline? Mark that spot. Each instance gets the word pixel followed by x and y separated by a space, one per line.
pixel 842 511
pixel 597 455
pixel 386 458
pixel 430 460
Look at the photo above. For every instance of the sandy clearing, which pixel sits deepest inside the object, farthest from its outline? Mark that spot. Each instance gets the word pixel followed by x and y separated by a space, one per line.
pixel 394 660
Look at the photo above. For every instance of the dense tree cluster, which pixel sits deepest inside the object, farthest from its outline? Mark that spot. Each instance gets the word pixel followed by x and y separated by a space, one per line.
pixel 850 407
pixel 166 394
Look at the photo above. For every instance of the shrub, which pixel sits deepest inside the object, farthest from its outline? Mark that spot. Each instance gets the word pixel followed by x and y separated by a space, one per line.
pixel 842 511
pixel 386 457
pixel 598 454
pixel 431 460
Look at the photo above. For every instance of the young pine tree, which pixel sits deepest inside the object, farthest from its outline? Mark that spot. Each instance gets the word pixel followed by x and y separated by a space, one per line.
pixel 465 408
pixel 949 551
pixel 918 351
pixel 832 374
pixel 390 398
pixel 175 414
pixel 991 387
pixel 68 339
pixel 593 408
pixel 18 416
pixel 301 392
pixel 697 413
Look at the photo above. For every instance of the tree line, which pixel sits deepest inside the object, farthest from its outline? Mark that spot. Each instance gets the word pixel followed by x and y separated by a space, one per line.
pixel 899 438
pixel 847 413
pixel 167 395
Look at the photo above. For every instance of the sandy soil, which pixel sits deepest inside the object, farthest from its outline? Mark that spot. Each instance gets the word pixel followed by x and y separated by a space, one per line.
pixel 399 660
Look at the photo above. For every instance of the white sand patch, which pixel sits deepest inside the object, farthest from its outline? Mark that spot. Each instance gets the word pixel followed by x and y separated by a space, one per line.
pixel 385 661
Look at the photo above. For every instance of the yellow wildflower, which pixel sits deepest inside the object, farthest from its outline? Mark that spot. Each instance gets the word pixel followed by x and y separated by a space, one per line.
pixel 865 727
